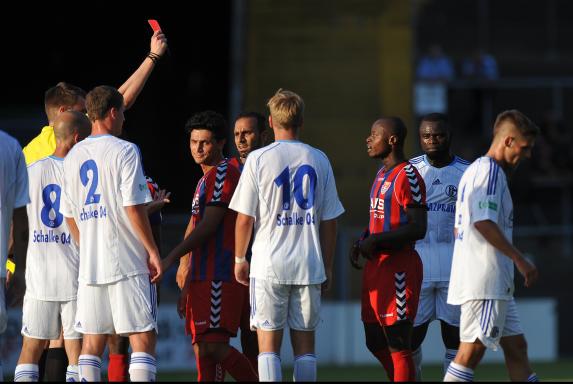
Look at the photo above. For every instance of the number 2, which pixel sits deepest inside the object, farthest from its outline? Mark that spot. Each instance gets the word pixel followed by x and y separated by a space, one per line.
pixel 90 165
pixel 283 180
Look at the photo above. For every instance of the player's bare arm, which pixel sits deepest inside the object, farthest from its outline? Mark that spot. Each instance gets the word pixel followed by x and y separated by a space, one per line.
pixel 414 230
pixel 201 233
pixel 71 222
pixel 243 232
pixel 183 269
pixel 493 234
pixel 140 221
pixel 327 232
pixel 133 86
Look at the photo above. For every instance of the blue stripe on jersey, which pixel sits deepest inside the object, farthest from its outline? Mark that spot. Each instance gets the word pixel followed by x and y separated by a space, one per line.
pixel 388 206
pixel 492 177
pixel 417 159
pixel 495 179
pixel 222 256
pixel 462 161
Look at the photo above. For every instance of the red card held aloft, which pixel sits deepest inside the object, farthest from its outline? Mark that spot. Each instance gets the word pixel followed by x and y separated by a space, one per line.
pixel 154 25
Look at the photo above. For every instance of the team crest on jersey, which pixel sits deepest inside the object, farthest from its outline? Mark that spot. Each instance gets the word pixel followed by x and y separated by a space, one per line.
pixel 452 191
pixel 494 332
pixel 385 187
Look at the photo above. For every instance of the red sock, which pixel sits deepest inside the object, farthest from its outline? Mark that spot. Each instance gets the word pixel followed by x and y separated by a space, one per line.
pixel 239 366
pixel 206 370
pixel 385 358
pixel 117 370
pixel 403 366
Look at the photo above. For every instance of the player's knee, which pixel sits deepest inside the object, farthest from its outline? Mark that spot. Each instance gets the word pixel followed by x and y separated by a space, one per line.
pixel 399 336
pixel 450 336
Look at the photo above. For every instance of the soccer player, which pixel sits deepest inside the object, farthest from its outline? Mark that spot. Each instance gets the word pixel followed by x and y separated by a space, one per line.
pixel 287 191
pixel 13 199
pixel 64 97
pixel 481 279
pixel 52 259
pixel 105 193
pixel 211 299
pixel 441 172
pixel 393 273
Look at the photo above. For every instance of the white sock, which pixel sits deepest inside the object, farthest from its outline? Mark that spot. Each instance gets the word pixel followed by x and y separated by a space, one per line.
pixel 72 374
pixel 142 367
pixel 449 357
pixel 305 367
pixel 269 367
pixel 457 372
pixel 26 372
pixel 89 368
pixel 417 357
pixel 532 378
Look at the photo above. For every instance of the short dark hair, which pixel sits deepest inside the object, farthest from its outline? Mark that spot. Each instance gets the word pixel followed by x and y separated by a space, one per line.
pixel 61 95
pixel 523 124
pixel 261 120
pixel 438 118
pixel 209 120
pixel 101 99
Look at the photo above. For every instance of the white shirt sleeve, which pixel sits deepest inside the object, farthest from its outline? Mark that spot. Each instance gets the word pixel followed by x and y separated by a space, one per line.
pixel 485 197
pixel 133 185
pixel 332 205
pixel 246 197
pixel 22 195
pixel 67 205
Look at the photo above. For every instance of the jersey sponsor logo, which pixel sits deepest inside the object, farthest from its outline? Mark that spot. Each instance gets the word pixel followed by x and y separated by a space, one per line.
pixel 437 182
pixel 377 207
pixel 51 237
pixel 452 191
pixel 95 213
pixel 441 207
pixel 488 204
pixel 295 219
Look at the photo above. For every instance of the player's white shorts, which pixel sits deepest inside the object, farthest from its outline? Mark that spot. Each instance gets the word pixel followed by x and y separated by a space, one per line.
pixel 272 305
pixel 44 320
pixel 3 311
pixel 489 321
pixel 123 307
pixel 433 304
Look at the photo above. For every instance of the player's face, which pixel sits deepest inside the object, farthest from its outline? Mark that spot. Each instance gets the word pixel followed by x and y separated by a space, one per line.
pixel 204 147
pixel 518 148
pixel 247 137
pixel 434 138
pixel 377 144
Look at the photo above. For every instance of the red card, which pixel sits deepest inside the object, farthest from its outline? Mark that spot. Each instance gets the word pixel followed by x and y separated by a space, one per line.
pixel 154 25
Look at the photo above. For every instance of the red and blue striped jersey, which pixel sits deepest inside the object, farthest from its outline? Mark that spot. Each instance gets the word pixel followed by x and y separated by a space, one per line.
pixel 215 258
pixel 393 191
pixel 235 161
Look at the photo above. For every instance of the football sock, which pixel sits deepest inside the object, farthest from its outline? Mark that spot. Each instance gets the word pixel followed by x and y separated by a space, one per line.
pixel 89 368
pixel 142 367
pixel 42 364
pixel 56 365
pixel 449 357
pixel 26 372
pixel 457 372
pixel 385 358
pixel 305 367
pixel 117 368
pixel 206 369
pixel 403 366
pixel 72 374
pixel 532 378
pixel 417 358
pixel 270 367
pixel 238 366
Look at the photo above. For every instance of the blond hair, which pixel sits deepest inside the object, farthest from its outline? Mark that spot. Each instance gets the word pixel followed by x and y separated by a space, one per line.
pixel 287 109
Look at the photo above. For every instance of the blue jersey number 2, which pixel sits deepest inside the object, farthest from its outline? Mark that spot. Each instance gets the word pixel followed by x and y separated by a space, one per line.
pixel 283 180
pixel 90 165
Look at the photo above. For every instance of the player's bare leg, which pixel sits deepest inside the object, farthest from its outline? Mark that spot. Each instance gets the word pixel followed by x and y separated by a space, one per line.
pixel 210 353
pixel 73 349
pixel 27 367
pixel 269 355
pixel 89 362
pixel 516 359
pixel 142 366
pixel 304 357
pixel 468 357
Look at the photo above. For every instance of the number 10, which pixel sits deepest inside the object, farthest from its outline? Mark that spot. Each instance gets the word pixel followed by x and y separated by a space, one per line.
pixel 283 180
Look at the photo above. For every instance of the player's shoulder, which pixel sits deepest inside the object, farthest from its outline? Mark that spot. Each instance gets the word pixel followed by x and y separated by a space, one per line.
pixel 9 144
pixel 460 164
pixel 418 161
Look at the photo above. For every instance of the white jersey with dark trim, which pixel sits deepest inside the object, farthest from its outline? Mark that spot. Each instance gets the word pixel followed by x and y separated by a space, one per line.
pixel 437 247
pixel 479 270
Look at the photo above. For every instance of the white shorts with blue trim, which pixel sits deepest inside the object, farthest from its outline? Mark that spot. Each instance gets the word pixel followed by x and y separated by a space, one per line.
pixel 433 304
pixel 44 320
pixel 123 307
pixel 489 321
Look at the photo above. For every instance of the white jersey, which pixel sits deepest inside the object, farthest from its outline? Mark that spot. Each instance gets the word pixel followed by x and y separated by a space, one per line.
pixel 479 270
pixel 52 258
pixel 437 247
pixel 13 189
pixel 289 188
pixel 103 174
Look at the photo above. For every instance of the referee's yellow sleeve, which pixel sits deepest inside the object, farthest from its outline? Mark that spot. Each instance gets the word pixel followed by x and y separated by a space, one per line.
pixel 41 146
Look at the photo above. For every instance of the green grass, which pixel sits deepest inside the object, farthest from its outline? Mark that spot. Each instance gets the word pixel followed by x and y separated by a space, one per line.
pixel 559 371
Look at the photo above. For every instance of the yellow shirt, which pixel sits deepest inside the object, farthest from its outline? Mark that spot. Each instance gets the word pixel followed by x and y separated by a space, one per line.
pixel 41 146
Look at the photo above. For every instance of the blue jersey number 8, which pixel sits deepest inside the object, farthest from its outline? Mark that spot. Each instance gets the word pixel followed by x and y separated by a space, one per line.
pixel 51 205
pixel 90 165
pixel 283 180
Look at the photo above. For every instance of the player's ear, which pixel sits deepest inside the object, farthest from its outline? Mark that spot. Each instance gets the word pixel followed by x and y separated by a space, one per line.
pixel 393 140
pixel 270 122
pixel 508 141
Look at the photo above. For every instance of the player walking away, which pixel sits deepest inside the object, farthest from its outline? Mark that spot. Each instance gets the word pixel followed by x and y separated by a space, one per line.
pixel 211 299
pixel 393 273
pixel 13 199
pixel 52 259
pixel 482 267
pixel 287 191
pixel 441 172
pixel 105 195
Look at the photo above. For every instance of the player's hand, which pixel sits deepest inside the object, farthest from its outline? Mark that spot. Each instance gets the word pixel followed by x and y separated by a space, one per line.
pixel 155 268
pixel 182 302
pixel 354 255
pixel 159 201
pixel 528 270
pixel 325 287
pixel 158 43
pixel 242 273
pixel 367 247
pixel 182 272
